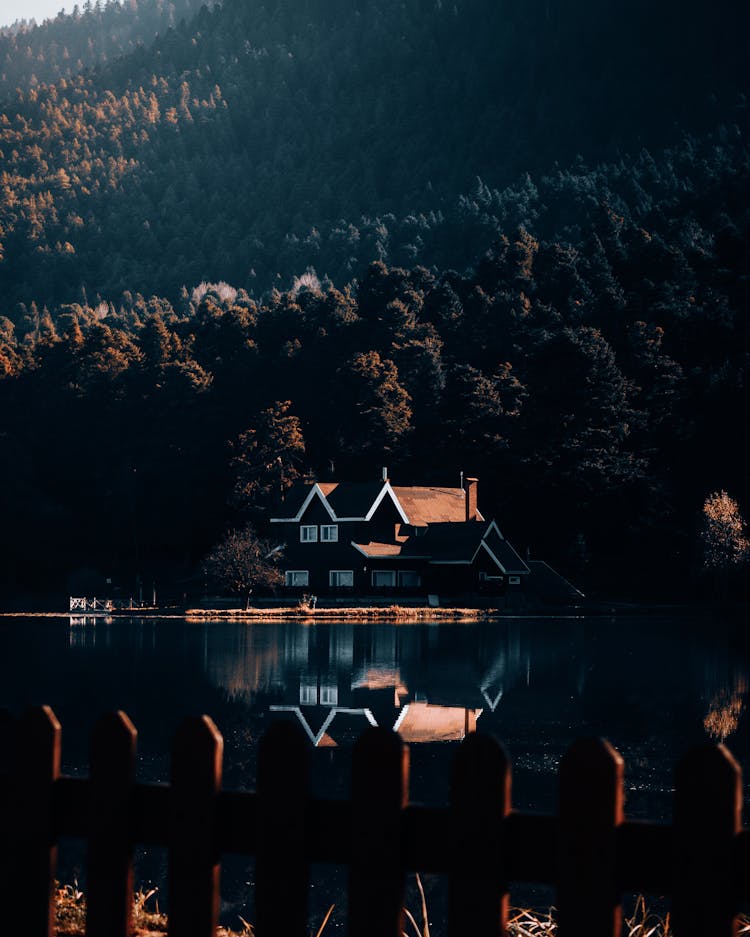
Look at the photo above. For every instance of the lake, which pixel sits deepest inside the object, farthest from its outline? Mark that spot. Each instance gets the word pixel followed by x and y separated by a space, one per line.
pixel 653 685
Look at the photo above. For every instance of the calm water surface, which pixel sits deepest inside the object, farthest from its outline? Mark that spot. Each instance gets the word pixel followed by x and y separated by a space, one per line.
pixel 652 685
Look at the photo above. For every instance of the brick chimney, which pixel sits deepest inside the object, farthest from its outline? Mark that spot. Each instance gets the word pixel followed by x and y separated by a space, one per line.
pixel 470 490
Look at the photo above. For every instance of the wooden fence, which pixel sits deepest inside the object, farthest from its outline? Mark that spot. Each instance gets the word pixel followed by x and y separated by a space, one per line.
pixel 589 850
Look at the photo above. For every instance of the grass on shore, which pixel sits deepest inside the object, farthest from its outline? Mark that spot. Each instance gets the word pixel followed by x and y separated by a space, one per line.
pixel 365 613
pixel 522 922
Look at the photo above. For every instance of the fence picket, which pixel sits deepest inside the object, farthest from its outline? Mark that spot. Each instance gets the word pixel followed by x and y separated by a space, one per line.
pixel 380 785
pixel 702 860
pixel 591 809
pixel 193 865
pixel 34 847
pixel 281 868
pixel 480 800
pixel 109 899
pixel 707 816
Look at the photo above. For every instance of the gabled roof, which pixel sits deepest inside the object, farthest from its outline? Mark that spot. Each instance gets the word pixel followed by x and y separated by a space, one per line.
pixel 350 501
pixel 453 543
pixel 503 553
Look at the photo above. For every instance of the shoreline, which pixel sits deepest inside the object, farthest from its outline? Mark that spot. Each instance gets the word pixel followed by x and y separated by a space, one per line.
pixel 384 613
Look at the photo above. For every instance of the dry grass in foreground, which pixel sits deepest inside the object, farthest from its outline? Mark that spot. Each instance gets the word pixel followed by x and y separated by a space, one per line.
pixel 71 919
pixel 148 922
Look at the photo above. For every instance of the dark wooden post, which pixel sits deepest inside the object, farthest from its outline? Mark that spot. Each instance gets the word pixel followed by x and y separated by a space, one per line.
pixel 380 784
pixel 282 868
pixel 109 900
pixel 36 769
pixel 707 816
pixel 193 866
pixel 591 809
pixel 480 800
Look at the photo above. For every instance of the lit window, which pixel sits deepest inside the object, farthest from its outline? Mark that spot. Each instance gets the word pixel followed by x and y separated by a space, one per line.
pixel 408 579
pixel 329 533
pixel 297 577
pixel 384 577
pixel 308 534
pixel 341 577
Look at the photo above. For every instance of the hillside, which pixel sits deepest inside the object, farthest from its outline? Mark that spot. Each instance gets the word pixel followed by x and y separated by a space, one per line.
pixel 530 260
pixel 93 34
pixel 253 141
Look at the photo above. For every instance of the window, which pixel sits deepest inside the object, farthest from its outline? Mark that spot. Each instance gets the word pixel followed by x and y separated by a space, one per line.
pixel 297 577
pixel 341 577
pixel 329 694
pixel 514 580
pixel 308 692
pixel 308 534
pixel 408 579
pixel 384 577
pixel 329 533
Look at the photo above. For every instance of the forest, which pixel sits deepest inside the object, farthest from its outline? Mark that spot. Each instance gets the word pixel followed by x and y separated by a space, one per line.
pixel 295 238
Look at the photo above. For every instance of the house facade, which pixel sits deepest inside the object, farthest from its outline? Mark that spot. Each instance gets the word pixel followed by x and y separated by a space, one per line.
pixel 378 539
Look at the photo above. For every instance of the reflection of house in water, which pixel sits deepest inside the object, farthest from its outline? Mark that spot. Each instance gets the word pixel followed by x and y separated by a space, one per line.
pixel 336 679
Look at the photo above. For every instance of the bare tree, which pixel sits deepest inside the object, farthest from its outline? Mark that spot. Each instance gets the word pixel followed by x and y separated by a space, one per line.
pixel 242 562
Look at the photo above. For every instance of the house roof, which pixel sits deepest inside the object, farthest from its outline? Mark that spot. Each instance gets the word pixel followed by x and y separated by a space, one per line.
pixel 432 505
pixel 454 542
pixel 418 505
pixel 351 499
pixel 424 722
pixel 375 549
pixel 503 552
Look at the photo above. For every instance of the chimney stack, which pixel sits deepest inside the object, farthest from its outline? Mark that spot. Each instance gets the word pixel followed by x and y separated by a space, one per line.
pixel 385 473
pixel 471 498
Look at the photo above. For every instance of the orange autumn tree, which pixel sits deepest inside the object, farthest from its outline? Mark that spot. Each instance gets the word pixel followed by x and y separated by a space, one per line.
pixel 725 545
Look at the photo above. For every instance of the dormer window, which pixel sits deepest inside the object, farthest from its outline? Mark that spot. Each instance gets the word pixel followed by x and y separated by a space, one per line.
pixel 308 534
pixel 329 533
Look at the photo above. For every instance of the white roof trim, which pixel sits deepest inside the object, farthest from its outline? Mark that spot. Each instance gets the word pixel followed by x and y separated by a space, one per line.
pixel 497 561
pixel 315 490
pixel 376 503
pixel 512 572
pixel 400 718
pixel 493 526
pixel 334 711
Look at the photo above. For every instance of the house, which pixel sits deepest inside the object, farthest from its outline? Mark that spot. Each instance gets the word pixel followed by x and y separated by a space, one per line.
pixel 383 540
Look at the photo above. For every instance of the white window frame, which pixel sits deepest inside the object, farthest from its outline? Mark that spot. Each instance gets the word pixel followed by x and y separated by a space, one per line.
pixel 308 692
pixel 308 533
pixel 333 573
pixel 383 572
pixel 409 572
pixel 291 574
pixel 514 580
pixel 329 694
pixel 329 533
